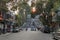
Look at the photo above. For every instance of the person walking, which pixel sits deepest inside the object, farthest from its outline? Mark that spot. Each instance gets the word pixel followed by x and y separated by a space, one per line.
pixel 35 29
pixel 26 29
pixel 0 31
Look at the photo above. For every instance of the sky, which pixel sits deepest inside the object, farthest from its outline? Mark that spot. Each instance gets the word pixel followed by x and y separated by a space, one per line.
pixel 29 2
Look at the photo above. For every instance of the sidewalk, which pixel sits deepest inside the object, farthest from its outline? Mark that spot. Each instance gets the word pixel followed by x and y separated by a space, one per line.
pixel 5 34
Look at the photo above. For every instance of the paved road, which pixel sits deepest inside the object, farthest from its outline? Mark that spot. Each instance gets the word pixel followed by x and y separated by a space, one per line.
pixel 27 35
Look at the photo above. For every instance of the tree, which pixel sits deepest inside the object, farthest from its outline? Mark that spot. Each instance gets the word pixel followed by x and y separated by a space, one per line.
pixel 56 5
pixel 46 10
pixel 21 17
pixel 3 6
pixel 24 6
pixel 39 8
pixel 57 10
pixel 49 6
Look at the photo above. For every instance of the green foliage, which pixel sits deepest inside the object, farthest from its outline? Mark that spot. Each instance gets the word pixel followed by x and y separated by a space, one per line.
pixel 56 5
pixel 1 1
pixel 21 17
pixel 6 0
pixel 3 6
pixel 39 8
pixel 32 15
pixel 4 9
pixel 18 19
pixel 14 8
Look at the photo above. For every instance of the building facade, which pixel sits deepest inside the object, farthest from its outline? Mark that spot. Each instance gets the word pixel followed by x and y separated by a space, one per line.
pixel 6 20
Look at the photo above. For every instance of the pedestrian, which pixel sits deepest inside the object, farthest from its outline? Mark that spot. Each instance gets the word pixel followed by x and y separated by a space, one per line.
pixel 26 29
pixel 35 29
pixel 0 31
pixel 38 29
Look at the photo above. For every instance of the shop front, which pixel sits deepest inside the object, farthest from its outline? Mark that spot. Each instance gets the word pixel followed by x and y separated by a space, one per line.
pixel 1 23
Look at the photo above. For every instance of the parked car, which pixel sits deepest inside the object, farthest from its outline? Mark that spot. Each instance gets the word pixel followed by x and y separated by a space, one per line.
pixel 46 29
pixel 41 28
pixel 56 34
pixel 32 29
pixel 16 29
pixel 21 29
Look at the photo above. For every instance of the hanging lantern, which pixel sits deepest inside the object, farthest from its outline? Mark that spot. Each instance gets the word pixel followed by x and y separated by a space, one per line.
pixel 34 9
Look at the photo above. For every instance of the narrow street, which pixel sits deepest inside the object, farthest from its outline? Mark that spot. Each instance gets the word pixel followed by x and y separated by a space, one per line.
pixel 29 19
pixel 27 35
